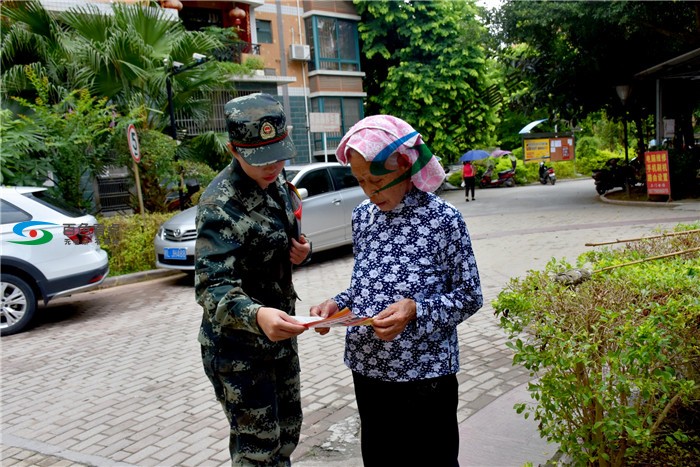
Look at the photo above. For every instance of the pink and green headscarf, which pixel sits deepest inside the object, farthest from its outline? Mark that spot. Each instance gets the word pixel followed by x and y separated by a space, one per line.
pixel 379 136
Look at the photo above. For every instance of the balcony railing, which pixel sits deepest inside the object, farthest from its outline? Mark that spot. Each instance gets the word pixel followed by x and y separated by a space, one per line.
pixel 235 52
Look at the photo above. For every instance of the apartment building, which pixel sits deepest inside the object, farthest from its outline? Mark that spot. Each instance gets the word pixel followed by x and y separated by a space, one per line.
pixel 311 55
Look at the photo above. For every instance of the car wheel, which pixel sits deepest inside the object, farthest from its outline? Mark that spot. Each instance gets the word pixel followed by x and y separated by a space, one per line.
pixel 18 304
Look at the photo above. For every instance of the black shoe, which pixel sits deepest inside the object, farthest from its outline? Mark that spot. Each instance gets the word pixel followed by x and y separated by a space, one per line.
pixel 466 199
pixel 473 199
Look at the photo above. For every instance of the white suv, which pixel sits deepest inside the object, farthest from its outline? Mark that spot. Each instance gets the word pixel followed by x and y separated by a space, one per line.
pixel 46 250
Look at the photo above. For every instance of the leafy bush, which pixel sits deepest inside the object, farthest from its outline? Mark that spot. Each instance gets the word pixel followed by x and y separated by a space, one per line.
pixel 66 142
pixel 128 241
pixel 617 356
pixel 455 178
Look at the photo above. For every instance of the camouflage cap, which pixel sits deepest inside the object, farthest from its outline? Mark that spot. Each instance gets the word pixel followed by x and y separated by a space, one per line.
pixel 257 129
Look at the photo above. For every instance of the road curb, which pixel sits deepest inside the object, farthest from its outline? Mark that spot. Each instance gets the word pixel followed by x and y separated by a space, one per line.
pixel 114 281
pixel 654 204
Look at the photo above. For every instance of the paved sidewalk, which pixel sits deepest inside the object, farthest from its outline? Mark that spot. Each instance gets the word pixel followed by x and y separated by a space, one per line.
pixel 128 390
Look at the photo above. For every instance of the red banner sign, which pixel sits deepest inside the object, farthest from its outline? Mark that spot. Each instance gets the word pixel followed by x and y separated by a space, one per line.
pixel 658 178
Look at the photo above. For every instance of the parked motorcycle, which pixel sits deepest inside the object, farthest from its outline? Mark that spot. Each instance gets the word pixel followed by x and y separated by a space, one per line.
pixel 614 175
pixel 172 199
pixel 505 177
pixel 547 174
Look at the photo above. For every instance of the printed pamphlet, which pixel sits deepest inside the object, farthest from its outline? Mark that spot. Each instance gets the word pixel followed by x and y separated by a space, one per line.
pixel 344 317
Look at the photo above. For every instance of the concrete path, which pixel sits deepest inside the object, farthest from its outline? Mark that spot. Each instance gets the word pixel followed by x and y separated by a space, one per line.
pixel 112 377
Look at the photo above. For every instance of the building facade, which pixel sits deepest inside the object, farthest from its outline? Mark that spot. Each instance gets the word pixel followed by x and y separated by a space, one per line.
pixel 311 55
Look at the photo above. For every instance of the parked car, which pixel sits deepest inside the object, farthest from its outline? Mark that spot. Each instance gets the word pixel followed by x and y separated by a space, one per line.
pixel 329 192
pixel 48 250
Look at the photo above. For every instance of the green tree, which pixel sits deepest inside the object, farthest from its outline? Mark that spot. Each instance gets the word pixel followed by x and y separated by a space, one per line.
pixel 577 52
pixel 65 141
pixel 119 56
pixel 426 64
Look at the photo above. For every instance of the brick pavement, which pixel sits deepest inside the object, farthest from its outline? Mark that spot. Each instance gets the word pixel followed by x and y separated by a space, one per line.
pixel 113 377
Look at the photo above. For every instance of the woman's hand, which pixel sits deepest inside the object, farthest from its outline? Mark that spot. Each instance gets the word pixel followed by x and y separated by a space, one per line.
pixel 324 310
pixel 393 320
pixel 278 325
pixel 300 250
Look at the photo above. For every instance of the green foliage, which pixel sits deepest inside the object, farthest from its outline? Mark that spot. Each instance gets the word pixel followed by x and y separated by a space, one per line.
pixel 157 169
pixel 577 52
pixel 119 57
pixel 66 140
pixel 18 138
pixel 209 148
pixel 684 167
pixel 427 65
pixel 128 241
pixel 455 178
pixel 590 154
pixel 254 63
pixel 617 357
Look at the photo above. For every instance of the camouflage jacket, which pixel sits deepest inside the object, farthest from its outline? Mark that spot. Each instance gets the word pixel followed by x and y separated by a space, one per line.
pixel 242 263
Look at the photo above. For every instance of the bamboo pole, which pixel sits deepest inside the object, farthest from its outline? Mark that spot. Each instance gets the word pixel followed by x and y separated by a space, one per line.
pixel 669 234
pixel 667 255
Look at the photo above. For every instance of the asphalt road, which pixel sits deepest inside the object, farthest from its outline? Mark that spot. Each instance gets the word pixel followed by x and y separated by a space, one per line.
pixel 113 377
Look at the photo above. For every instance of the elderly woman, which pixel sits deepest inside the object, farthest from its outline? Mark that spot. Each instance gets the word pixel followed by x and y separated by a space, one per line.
pixel 415 274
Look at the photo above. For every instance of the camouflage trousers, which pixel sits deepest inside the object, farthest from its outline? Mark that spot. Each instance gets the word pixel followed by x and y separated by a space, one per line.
pixel 262 403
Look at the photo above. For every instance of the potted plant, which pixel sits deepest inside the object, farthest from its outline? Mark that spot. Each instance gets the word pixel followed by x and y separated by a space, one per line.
pixel 255 64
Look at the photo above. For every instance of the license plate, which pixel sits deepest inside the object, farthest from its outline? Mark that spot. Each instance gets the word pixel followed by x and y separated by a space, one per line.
pixel 175 253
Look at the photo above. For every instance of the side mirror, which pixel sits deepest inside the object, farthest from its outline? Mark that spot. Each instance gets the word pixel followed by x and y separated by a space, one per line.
pixel 303 192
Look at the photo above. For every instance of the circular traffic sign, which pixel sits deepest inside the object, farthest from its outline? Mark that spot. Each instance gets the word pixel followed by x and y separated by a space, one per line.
pixel 133 141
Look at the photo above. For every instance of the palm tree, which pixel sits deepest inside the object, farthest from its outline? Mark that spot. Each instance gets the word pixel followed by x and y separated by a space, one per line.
pixel 119 56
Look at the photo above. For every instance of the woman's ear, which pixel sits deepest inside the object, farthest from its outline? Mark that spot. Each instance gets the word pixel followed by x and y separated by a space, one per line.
pixel 403 161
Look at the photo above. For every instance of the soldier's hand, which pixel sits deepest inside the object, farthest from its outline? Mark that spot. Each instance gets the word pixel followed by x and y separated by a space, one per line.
pixel 324 310
pixel 299 251
pixel 393 320
pixel 278 325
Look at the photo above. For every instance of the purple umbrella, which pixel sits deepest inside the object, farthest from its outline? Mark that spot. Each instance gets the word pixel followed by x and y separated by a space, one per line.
pixel 499 153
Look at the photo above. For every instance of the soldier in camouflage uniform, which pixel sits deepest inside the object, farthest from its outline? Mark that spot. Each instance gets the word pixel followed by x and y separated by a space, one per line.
pixel 246 245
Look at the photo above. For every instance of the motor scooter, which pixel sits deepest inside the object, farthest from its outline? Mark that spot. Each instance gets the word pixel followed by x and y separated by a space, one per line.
pixel 547 174
pixel 505 177
pixel 615 175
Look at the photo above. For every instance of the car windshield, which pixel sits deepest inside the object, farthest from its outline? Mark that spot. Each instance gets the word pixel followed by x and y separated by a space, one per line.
pixel 57 204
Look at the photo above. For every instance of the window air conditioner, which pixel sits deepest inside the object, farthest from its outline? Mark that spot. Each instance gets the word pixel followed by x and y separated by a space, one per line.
pixel 300 52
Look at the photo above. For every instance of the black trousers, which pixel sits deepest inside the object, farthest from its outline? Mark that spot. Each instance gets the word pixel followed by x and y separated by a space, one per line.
pixel 409 423
pixel 469 184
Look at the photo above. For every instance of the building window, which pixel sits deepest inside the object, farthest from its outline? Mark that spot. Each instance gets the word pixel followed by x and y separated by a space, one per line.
pixel 264 31
pixel 199 18
pixel 334 44
pixel 350 110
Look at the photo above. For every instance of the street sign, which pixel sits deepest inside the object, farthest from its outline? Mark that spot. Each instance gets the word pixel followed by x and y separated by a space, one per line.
pixel 657 172
pixel 133 142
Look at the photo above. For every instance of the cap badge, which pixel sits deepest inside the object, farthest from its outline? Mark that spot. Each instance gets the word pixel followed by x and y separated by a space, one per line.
pixel 267 131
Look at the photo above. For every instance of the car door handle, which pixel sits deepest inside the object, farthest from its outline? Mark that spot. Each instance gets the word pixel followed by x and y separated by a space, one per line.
pixel 337 201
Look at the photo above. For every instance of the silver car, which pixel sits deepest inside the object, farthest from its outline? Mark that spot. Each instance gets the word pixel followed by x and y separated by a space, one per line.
pixel 329 192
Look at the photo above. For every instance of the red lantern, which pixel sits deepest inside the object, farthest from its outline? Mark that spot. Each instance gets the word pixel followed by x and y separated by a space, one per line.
pixel 237 14
pixel 175 4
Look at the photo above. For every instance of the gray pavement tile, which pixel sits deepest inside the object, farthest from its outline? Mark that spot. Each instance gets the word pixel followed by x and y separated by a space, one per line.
pixel 136 394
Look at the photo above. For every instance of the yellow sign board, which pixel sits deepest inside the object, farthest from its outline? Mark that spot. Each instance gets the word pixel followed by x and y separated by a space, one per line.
pixel 552 149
